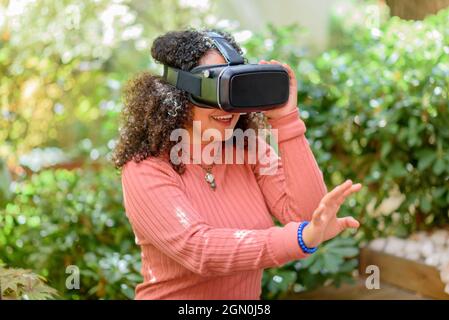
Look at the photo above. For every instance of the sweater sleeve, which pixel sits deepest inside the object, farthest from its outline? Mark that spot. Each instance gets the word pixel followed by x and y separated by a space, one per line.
pixel 292 182
pixel 162 215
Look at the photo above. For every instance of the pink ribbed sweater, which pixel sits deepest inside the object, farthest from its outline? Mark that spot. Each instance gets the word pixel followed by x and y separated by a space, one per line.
pixel 202 244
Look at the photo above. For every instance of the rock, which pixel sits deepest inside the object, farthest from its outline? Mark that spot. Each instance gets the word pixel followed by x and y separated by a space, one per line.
pixel 439 248
pixel 444 273
pixel 413 256
pixel 444 257
pixel 433 260
pixel 378 244
pixel 419 236
pixel 439 238
pixel 395 246
pixel 412 247
pixel 427 248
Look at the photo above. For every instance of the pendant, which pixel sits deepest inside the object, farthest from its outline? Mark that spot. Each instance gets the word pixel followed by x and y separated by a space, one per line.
pixel 209 177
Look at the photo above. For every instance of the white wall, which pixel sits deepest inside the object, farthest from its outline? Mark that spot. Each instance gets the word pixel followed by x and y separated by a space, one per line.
pixel 255 14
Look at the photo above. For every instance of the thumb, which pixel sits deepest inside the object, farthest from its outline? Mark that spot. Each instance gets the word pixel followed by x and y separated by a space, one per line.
pixel 348 222
pixel 317 217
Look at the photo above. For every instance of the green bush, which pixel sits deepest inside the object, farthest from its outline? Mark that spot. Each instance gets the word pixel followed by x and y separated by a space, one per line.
pixel 59 218
pixel 376 108
pixel 377 111
pixel 333 263
pixel 62 64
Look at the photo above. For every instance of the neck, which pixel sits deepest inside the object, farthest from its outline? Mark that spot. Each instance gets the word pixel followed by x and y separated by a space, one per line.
pixel 204 153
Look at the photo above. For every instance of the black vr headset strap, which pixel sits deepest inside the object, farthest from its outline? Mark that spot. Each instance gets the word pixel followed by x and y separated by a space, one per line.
pixel 226 49
pixel 194 84
pixel 183 80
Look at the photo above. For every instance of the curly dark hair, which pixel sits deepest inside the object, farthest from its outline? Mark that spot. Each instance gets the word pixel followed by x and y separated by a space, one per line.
pixel 148 99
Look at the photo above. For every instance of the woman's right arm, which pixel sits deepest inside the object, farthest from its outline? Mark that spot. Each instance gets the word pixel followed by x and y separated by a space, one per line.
pixel 161 213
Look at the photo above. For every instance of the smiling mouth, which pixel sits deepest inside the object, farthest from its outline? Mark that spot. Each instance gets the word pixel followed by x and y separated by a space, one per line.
pixel 226 119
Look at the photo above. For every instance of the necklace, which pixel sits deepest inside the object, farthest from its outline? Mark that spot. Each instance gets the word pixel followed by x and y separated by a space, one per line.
pixel 209 176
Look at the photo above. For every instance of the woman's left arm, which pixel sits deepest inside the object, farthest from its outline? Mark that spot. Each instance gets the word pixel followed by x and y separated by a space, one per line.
pixel 292 183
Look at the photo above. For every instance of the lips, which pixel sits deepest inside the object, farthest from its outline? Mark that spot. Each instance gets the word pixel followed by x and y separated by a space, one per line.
pixel 225 119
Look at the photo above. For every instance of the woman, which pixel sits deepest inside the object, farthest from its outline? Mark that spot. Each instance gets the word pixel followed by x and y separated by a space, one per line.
pixel 211 239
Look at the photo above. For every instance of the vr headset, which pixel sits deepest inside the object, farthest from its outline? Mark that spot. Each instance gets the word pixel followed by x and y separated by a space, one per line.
pixel 234 86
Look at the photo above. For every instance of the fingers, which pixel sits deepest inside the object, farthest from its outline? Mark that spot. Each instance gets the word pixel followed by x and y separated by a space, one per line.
pixel 353 189
pixel 269 62
pixel 348 222
pixel 286 66
pixel 289 69
pixel 290 72
pixel 332 196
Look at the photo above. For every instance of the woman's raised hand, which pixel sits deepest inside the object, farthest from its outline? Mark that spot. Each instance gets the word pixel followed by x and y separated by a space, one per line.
pixel 292 102
pixel 324 224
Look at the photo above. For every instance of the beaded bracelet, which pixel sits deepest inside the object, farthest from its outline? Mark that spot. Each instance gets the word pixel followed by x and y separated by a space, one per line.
pixel 304 248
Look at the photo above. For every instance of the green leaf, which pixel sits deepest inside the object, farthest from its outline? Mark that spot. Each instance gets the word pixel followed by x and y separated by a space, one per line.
pixel 5 181
pixel 347 252
pixel 306 263
pixel 332 262
pixel 425 204
pixel 340 242
pixel 439 167
pixel 426 158
pixel 397 169
pixel 317 266
pixel 386 148
pixel 348 265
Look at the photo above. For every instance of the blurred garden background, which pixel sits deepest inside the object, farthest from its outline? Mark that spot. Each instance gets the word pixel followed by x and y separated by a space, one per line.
pixel 373 91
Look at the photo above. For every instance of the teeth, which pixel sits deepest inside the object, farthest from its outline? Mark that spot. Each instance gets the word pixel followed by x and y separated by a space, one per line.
pixel 228 117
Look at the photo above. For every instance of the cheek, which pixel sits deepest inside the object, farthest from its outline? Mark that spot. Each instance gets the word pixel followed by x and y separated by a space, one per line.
pixel 202 116
pixel 234 121
pixel 228 133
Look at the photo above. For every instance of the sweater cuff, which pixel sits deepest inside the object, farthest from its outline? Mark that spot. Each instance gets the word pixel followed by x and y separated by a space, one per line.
pixel 285 245
pixel 288 126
